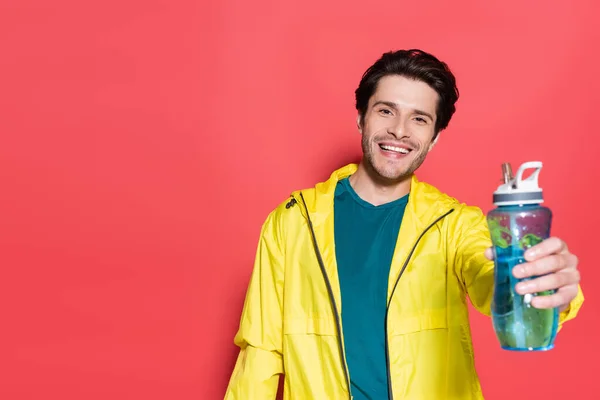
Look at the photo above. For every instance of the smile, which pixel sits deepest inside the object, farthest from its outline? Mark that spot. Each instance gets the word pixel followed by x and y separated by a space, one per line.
pixel 395 149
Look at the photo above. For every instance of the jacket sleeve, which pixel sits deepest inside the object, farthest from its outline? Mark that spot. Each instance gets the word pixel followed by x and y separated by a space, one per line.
pixel 259 337
pixel 477 272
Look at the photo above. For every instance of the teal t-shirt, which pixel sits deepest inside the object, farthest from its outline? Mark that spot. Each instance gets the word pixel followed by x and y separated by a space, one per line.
pixel 365 239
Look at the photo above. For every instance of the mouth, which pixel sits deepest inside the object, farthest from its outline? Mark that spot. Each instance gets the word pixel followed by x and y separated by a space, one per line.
pixel 395 149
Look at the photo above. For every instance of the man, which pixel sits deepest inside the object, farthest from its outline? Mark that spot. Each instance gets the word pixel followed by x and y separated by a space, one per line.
pixel 359 287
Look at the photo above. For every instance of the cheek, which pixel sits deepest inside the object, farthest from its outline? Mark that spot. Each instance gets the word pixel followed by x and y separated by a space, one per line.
pixel 373 122
pixel 366 131
pixel 374 129
pixel 424 134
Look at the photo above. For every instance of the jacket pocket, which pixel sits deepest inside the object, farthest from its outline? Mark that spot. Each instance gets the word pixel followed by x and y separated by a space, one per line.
pixel 312 359
pixel 308 325
pixel 427 320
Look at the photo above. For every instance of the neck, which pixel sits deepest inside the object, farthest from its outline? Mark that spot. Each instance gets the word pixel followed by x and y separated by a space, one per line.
pixel 374 189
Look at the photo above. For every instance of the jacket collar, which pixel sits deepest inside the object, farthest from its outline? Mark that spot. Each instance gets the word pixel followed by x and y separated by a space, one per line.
pixel 425 205
pixel 425 202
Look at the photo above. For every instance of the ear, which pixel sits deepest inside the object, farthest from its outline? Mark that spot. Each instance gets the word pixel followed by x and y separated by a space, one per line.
pixel 434 142
pixel 359 123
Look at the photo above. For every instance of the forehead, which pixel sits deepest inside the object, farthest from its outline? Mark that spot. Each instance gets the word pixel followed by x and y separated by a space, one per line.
pixel 406 92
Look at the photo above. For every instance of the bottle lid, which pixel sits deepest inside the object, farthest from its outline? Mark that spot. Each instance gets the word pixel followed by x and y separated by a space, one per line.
pixel 516 191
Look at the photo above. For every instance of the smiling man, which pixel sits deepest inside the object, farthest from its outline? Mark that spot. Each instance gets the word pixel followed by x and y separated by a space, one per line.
pixel 360 284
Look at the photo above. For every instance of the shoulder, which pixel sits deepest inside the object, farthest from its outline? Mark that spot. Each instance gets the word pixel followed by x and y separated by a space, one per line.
pixel 286 217
pixel 464 215
pixel 291 214
pixel 467 224
pixel 279 218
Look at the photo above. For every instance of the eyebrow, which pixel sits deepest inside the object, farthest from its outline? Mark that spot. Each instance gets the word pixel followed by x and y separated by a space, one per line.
pixel 395 107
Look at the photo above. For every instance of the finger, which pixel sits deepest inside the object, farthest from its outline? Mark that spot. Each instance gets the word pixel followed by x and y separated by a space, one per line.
pixel 549 246
pixel 489 253
pixel 553 281
pixel 545 265
pixel 561 298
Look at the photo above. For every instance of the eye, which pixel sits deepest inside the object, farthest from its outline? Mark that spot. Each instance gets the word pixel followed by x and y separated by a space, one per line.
pixel 385 111
pixel 421 120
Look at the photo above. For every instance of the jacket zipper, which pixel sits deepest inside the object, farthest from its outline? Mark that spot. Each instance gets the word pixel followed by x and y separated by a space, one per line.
pixel 330 292
pixel 387 350
pixel 332 300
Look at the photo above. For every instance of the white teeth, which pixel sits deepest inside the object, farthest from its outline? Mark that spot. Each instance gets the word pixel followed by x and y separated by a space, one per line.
pixel 394 148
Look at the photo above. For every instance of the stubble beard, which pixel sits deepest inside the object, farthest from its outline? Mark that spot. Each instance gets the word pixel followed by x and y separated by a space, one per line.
pixel 389 175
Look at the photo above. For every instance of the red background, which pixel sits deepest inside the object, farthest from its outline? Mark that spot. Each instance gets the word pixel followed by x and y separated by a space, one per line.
pixel 143 144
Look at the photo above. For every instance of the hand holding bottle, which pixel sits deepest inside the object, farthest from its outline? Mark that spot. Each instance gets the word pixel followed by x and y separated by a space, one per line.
pixel 556 269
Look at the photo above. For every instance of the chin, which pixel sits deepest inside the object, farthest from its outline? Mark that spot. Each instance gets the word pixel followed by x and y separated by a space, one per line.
pixel 386 170
pixel 392 174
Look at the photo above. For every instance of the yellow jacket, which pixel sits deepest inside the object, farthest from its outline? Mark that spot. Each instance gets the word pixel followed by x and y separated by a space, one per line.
pixel 291 321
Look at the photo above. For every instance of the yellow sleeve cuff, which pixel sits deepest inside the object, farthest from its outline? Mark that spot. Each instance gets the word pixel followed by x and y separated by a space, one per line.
pixel 572 310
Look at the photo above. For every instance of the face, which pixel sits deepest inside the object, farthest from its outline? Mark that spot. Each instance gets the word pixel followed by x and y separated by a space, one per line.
pixel 398 127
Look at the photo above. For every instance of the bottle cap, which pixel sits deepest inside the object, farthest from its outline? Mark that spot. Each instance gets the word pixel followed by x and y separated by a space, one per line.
pixel 516 191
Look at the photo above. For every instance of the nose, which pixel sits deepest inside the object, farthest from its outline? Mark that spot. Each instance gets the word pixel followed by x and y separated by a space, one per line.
pixel 398 128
